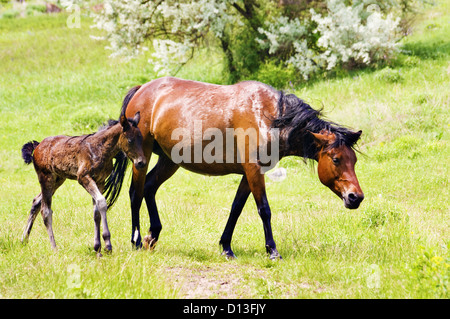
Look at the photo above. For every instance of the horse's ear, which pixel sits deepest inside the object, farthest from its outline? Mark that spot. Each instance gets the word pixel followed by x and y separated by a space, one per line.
pixel 137 118
pixel 354 137
pixel 124 122
pixel 322 139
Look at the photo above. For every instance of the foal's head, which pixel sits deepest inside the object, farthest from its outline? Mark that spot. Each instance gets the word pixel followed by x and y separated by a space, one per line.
pixel 130 140
pixel 336 166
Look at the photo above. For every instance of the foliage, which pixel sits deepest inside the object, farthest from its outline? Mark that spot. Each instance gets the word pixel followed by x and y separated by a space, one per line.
pixel 433 271
pixel 10 14
pixel 348 37
pixel 313 37
pixel 276 75
pixel 389 75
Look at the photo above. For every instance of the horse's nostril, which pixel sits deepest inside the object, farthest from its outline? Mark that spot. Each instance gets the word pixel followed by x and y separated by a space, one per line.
pixel 139 164
pixel 355 198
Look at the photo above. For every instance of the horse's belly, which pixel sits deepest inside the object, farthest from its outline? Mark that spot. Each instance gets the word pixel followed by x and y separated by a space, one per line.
pixel 213 169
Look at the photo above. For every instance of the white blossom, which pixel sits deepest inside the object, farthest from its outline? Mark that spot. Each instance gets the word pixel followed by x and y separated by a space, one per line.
pixel 360 32
pixel 345 36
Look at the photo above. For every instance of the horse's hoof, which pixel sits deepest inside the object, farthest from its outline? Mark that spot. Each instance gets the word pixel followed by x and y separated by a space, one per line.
pixel 275 257
pixel 99 255
pixel 149 242
pixel 273 254
pixel 228 254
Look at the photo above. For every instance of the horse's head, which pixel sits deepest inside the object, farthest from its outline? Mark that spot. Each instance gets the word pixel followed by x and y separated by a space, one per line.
pixel 131 140
pixel 336 166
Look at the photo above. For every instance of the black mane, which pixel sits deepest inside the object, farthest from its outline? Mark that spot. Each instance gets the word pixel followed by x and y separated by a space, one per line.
pixel 114 182
pixel 128 98
pixel 297 119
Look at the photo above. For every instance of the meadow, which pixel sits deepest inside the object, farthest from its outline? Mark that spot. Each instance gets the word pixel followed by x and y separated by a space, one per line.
pixel 56 80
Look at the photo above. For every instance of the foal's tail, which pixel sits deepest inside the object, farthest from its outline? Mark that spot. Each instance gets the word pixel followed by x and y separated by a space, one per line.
pixel 27 151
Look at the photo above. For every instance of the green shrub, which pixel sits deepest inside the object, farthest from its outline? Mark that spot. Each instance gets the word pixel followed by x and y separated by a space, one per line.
pixel 10 14
pixel 278 76
pixel 433 271
pixel 37 7
pixel 88 119
pixel 389 75
pixel 381 212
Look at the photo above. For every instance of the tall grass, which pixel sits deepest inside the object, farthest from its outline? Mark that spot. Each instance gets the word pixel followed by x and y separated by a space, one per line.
pixel 55 80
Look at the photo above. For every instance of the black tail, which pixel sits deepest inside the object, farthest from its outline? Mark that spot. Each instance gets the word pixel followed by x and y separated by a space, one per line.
pixel 114 182
pixel 128 97
pixel 27 151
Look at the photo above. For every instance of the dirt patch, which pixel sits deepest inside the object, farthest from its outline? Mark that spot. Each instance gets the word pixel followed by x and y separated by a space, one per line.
pixel 233 281
pixel 223 281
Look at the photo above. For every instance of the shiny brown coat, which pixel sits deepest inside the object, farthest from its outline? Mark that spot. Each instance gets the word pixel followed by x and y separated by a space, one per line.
pixel 167 104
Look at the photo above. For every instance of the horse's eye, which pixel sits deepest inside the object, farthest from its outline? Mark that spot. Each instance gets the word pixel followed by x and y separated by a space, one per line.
pixel 336 161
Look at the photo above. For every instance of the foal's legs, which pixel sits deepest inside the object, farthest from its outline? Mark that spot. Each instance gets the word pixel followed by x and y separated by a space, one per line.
pixel 100 208
pixel 36 208
pixel 258 189
pixel 47 182
pixel 162 171
pixel 238 204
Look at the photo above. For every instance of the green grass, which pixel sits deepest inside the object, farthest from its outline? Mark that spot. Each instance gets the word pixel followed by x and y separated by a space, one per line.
pixel 56 80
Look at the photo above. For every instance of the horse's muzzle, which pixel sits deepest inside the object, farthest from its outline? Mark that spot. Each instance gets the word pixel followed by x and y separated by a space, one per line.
pixel 140 164
pixel 352 200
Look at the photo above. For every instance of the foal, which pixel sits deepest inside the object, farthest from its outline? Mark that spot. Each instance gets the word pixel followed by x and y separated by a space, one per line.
pixel 89 160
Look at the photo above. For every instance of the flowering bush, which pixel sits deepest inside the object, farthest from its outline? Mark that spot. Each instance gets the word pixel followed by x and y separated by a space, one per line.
pixel 253 32
pixel 346 37
pixel 175 27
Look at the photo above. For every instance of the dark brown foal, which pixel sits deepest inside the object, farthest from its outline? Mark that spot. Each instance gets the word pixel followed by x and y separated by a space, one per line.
pixel 89 160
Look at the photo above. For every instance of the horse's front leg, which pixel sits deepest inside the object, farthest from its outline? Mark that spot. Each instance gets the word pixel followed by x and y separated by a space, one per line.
pixel 162 171
pixel 97 220
pixel 257 186
pixel 137 194
pixel 238 204
pixel 136 197
pixel 100 208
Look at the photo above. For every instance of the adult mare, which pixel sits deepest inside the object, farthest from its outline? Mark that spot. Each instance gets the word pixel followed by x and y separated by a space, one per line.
pixel 230 129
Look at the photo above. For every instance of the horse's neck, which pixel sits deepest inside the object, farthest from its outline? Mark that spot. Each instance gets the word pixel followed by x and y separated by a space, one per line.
pixel 300 146
pixel 107 140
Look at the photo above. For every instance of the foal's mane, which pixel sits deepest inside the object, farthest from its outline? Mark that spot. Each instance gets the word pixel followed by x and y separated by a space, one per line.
pixel 298 120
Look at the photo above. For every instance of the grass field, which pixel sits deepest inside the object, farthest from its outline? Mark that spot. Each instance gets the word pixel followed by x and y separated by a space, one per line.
pixel 55 80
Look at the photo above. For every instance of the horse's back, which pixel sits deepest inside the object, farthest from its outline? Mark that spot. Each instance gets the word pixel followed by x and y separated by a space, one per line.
pixel 168 103
pixel 58 155
pixel 172 102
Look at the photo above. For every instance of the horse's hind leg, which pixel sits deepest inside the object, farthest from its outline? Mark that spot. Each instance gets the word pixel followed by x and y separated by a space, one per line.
pixel 162 171
pixel 35 209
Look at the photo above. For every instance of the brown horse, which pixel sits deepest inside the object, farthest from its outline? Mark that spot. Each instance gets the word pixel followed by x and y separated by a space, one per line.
pixel 88 159
pixel 217 130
